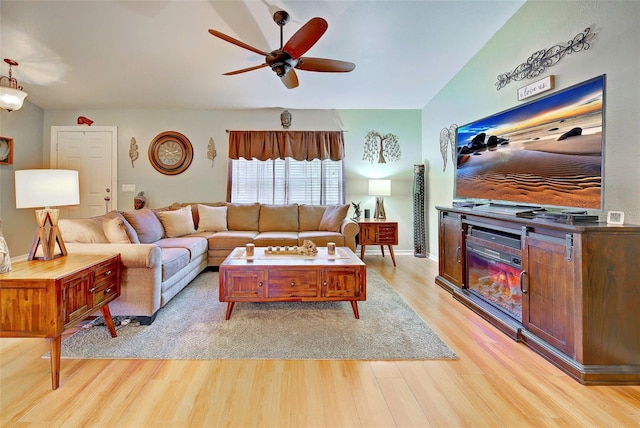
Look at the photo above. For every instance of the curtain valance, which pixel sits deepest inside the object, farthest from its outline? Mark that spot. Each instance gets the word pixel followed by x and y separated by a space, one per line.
pixel 299 145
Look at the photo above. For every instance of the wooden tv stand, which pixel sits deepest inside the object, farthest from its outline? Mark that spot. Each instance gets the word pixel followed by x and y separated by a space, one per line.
pixel 580 308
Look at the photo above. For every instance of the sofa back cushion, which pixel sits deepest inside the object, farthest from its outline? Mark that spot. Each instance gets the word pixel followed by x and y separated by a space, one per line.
pixel 83 230
pixel 243 216
pixel 333 217
pixel 212 219
pixel 309 217
pixel 177 223
pixel 146 224
pixel 278 218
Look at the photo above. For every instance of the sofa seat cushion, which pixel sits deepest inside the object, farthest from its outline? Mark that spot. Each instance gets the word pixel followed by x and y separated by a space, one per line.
pixel 265 239
pixel 232 238
pixel 173 260
pixel 320 238
pixel 195 245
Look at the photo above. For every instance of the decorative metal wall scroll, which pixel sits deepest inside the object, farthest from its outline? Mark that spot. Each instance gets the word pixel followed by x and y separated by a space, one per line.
pixel 539 61
pixel 211 151
pixel 381 147
pixel 448 139
pixel 419 241
pixel 133 151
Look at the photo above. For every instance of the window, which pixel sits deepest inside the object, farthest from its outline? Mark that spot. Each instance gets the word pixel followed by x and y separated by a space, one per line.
pixel 286 181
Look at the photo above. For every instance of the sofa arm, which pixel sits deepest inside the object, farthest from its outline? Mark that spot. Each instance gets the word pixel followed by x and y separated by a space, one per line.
pixel 349 230
pixel 131 255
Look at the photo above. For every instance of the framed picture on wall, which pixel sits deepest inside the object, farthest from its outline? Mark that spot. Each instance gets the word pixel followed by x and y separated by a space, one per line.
pixel 6 151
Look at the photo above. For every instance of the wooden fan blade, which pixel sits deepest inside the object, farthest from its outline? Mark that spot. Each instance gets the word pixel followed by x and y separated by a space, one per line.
pixel 244 70
pixel 290 79
pixel 305 37
pixel 236 42
pixel 324 65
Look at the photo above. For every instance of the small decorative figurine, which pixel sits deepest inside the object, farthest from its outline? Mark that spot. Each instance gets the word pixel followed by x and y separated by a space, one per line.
pixel 356 213
pixel 139 201
pixel 285 119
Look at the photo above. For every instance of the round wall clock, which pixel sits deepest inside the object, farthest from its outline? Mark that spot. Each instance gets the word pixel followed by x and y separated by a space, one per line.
pixel 170 153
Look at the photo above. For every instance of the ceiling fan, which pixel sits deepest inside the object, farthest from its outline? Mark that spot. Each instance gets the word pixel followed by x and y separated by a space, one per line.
pixel 285 60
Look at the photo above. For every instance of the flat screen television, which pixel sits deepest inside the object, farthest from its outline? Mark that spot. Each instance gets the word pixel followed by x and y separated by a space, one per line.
pixel 547 153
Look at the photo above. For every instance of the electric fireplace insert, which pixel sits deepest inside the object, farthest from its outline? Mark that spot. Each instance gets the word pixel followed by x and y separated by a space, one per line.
pixel 494 269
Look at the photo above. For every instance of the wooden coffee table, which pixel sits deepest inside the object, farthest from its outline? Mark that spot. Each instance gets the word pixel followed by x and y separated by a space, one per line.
pixel 293 278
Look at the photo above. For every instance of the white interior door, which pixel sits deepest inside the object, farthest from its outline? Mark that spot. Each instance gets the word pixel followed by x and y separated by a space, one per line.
pixel 92 151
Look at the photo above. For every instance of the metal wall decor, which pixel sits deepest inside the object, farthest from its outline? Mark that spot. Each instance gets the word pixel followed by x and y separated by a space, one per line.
pixel 133 151
pixel 540 60
pixel 448 139
pixel 211 151
pixel 381 147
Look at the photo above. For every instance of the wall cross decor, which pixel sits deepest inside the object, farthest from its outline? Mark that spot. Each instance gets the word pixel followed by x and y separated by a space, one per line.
pixel 540 60
pixel 381 147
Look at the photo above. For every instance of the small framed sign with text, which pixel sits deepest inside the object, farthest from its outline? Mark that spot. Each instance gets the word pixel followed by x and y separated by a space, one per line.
pixel 544 85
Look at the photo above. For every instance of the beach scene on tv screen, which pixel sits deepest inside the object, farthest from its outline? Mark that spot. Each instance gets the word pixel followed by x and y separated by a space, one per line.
pixel 547 152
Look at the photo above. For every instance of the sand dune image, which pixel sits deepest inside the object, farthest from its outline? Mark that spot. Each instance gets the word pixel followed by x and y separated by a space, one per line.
pixel 555 159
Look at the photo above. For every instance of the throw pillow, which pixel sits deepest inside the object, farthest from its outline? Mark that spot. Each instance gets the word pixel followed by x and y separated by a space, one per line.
pixel 177 223
pixel 333 217
pixel 146 224
pixel 131 232
pixel 212 219
pixel 116 231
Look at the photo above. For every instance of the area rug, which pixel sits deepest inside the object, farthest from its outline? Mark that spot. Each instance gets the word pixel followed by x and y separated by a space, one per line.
pixel 192 326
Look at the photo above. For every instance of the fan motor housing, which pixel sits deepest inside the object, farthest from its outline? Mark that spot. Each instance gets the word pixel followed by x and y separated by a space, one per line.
pixel 281 62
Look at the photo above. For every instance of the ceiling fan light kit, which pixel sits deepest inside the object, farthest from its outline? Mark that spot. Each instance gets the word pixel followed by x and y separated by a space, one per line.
pixel 11 94
pixel 289 57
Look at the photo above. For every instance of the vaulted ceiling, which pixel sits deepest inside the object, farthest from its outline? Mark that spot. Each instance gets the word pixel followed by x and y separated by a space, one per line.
pixel 159 54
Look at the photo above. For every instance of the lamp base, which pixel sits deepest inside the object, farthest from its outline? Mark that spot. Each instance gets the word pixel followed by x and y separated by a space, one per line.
pixel 379 211
pixel 47 218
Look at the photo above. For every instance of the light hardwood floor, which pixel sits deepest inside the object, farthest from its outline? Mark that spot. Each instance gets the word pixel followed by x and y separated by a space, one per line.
pixel 496 382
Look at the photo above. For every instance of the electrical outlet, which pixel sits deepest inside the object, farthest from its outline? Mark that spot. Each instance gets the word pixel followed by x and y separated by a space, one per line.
pixel 128 187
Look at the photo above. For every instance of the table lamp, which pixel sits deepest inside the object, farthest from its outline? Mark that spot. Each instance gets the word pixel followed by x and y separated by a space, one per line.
pixel 379 188
pixel 47 188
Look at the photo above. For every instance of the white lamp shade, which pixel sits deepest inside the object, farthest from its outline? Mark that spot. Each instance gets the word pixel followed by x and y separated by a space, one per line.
pixel 37 188
pixel 380 187
pixel 11 99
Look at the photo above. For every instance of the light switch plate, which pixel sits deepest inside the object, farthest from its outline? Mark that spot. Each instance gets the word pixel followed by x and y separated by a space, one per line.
pixel 128 187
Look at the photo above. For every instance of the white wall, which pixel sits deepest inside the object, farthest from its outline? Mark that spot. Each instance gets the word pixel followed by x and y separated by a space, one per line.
pixel 472 94
pixel 206 182
pixel 25 127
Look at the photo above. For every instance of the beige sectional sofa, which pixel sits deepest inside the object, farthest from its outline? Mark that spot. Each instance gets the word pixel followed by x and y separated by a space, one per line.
pixel 163 250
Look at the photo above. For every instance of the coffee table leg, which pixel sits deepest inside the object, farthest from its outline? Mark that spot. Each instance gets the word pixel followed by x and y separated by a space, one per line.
pixel 108 320
pixel 354 306
pixel 229 309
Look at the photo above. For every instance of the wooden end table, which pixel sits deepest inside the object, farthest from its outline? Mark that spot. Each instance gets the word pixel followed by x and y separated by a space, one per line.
pixel 378 232
pixel 42 298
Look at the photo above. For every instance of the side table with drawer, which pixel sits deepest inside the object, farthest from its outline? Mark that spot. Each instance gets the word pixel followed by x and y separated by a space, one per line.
pixel 378 232
pixel 41 298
